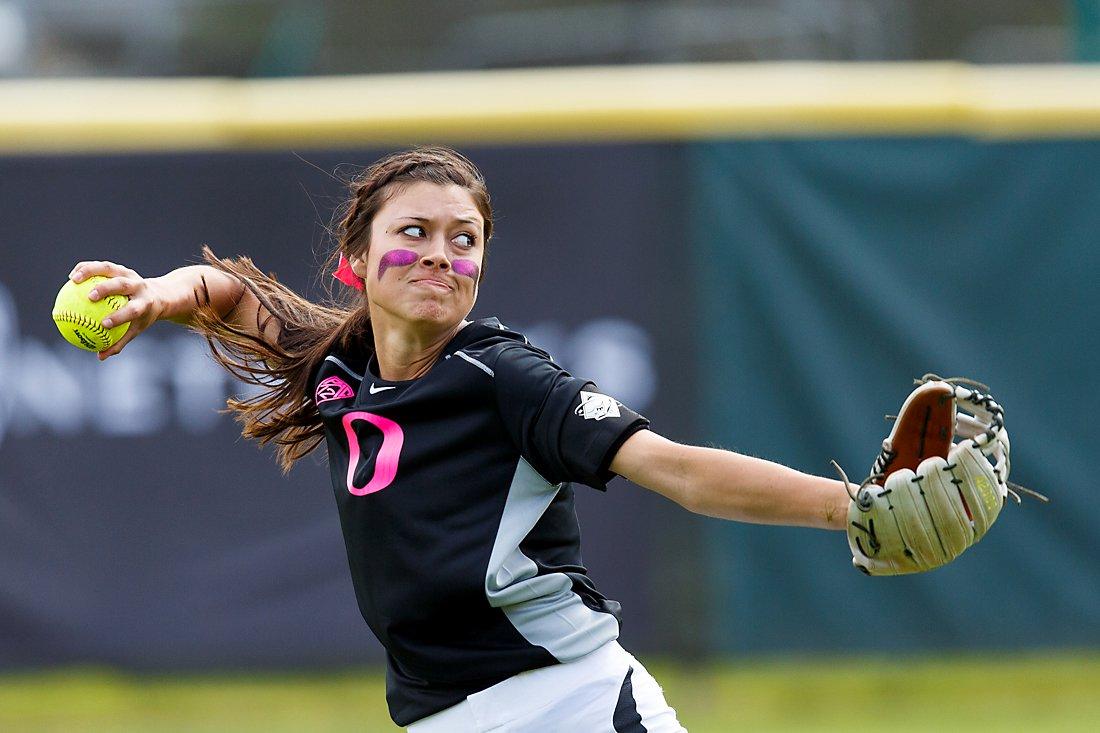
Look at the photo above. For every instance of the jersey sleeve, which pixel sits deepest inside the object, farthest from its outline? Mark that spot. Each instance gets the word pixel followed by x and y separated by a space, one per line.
pixel 563 426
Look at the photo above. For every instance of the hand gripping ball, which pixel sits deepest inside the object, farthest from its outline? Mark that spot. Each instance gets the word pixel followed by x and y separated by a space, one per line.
pixel 79 319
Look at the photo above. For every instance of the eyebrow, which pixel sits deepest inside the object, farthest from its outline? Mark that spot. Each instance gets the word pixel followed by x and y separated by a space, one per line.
pixel 428 221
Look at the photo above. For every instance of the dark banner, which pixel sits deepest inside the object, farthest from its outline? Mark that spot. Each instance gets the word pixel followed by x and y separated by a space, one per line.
pixel 770 296
pixel 833 273
pixel 137 528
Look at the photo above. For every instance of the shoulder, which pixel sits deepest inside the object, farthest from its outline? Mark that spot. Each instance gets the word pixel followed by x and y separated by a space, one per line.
pixel 345 364
pixel 496 347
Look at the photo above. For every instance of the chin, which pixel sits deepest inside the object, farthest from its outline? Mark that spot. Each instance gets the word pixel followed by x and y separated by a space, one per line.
pixel 434 312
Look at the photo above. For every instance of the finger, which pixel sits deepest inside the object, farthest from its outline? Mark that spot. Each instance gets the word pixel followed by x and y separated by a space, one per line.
pixel 132 311
pixel 978 485
pixel 114 286
pixel 892 566
pixel 876 544
pixel 913 519
pixel 859 539
pixel 946 507
pixel 90 268
pixel 119 345
pixel 85 269
pixel 862 564
pixel 876 536
pixel 78 269
pixel 886 556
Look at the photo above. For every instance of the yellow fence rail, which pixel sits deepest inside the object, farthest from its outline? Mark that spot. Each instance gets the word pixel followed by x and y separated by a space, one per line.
pixel 632 103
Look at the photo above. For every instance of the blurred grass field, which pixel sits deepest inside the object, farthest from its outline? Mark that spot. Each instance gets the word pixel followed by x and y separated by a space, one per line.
pixel 997 693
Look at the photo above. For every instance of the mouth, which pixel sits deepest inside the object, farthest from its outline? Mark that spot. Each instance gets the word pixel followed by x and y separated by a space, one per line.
pixel 431 283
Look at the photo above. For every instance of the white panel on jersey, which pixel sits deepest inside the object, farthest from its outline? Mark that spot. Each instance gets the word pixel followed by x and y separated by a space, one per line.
pixel 544 609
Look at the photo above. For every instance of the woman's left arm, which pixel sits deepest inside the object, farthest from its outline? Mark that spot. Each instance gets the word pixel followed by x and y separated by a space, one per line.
pixel 728 485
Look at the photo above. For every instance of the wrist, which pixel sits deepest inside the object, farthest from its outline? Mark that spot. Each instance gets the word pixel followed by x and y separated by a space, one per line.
pixel 836 515
pixel 166 304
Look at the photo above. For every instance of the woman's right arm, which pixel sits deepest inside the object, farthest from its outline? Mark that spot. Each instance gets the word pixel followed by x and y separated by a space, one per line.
pixel 728 485
pixel 173 297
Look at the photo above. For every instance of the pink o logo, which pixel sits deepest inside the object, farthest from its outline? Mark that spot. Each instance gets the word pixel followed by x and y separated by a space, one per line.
pixel 385 465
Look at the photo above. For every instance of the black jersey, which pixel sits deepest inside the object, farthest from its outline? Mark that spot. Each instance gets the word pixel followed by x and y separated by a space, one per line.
pixel 457 511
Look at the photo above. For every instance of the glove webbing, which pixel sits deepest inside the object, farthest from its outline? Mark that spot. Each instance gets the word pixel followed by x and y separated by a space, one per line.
pixel 982 402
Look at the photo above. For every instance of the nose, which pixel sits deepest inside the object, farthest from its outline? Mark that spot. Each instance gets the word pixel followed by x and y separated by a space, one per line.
pixel 436 257
pixel 433 263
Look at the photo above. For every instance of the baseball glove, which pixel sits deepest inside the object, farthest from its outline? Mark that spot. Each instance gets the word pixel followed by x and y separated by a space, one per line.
pixel 929 498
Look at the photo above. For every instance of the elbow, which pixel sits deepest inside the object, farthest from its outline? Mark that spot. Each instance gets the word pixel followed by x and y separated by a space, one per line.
pixel 696 502
pixel 664 467
pixel 686 488
pixel 692 488
pixel 689 495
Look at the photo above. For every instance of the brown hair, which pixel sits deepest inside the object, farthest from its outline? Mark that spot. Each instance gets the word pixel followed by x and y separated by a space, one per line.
pixel 283 412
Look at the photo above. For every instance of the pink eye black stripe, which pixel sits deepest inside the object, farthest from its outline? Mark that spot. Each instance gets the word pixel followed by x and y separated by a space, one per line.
pixel 466 268
pixel 396 258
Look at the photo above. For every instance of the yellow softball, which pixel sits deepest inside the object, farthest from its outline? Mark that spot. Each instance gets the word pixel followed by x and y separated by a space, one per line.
pixel 79 319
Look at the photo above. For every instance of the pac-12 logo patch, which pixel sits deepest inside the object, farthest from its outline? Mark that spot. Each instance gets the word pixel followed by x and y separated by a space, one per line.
pixel 333 388
pixel 596 406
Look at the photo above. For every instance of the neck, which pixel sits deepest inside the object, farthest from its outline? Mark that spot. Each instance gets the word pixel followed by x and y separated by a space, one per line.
pixel 405 351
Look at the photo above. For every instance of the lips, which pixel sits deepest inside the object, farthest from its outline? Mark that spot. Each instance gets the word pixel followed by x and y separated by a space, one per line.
pixel 432 283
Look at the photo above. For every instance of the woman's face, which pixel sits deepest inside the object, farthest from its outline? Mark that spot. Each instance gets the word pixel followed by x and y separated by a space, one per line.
pixel 424 260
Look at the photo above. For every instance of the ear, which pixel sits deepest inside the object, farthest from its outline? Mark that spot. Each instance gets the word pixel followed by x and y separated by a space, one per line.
pixel 358 266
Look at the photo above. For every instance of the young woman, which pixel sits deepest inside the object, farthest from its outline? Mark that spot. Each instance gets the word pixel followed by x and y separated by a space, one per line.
pixel 452 445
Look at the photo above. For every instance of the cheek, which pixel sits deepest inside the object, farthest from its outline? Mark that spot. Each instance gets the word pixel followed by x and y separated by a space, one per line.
pixel 396 258
pixel 466 268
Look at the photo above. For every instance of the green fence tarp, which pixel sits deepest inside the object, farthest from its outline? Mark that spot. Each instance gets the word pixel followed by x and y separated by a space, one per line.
pixel 830 273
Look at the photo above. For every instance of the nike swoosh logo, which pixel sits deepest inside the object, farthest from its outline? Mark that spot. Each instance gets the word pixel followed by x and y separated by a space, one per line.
pixel 376 390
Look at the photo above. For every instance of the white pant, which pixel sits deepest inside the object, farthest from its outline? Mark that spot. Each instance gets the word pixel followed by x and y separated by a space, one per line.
pixel 588 695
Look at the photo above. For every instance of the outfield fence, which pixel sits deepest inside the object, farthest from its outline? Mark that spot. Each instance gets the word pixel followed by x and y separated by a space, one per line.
pixel 759 257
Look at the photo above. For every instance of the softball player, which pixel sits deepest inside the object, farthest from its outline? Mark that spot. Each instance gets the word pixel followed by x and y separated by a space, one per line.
pixel 452 447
